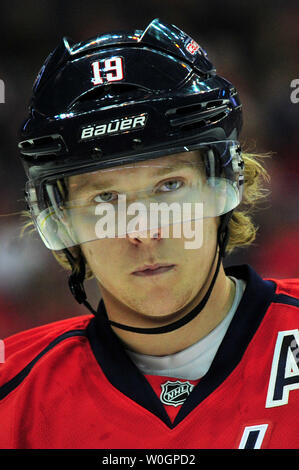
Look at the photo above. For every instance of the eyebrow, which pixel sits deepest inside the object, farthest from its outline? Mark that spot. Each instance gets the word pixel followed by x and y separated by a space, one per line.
pixel 109 182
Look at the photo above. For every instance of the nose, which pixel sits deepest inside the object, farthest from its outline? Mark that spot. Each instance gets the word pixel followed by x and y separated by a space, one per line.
pixel 136 238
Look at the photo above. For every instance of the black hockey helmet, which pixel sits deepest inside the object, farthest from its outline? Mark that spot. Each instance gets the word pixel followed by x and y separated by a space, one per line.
pixel 126 97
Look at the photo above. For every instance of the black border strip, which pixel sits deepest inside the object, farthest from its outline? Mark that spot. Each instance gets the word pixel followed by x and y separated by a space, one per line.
pixel 18 379
pixel 141 457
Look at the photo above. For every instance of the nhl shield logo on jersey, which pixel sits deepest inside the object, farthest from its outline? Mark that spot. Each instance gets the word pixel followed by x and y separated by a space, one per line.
pixel 175 393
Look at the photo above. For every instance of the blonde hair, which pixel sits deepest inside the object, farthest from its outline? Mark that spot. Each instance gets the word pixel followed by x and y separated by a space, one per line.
pixel 242 229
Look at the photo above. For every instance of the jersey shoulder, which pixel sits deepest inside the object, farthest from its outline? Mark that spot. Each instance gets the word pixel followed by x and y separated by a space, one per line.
pixel 286 292
pixel 287 286
pixel 24 348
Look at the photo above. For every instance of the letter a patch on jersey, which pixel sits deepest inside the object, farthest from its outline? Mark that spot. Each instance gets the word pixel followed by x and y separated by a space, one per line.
pixel 285 368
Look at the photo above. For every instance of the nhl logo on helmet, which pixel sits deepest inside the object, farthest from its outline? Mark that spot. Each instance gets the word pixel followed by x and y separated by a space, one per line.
pixel 175 393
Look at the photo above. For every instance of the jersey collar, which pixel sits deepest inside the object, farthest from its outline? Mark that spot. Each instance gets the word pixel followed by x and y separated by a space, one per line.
pixel 113 359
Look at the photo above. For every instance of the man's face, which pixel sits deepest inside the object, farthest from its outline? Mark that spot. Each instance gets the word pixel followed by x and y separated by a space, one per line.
pixel 119 263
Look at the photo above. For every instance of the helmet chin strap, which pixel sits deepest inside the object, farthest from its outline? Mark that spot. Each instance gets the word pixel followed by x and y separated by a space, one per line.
pixel 76 280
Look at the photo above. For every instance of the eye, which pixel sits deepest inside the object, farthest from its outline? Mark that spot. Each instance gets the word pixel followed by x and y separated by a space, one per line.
pixel 171 185
pixel 106 197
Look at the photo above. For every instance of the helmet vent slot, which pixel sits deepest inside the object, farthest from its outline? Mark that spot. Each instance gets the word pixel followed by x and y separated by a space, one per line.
pixel 193 115
pixel 42 146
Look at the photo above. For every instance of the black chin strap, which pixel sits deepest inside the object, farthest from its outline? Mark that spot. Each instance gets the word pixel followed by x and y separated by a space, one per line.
pixel 178 323
pixel 76 281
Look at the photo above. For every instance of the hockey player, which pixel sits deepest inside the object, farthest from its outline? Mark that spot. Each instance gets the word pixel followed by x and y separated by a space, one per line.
pixel 180 353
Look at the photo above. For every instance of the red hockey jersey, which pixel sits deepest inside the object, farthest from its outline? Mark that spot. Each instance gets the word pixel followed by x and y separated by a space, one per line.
pixel 71 385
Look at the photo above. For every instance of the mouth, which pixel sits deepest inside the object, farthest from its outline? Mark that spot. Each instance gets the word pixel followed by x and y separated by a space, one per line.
pixel 153 269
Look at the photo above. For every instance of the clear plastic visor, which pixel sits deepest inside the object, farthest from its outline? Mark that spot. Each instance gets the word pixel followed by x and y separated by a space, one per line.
pixel 140 199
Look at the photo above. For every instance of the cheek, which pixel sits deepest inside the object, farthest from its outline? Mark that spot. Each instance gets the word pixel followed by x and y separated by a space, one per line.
pixel 197 261
pixel 201 237
pixel 102 256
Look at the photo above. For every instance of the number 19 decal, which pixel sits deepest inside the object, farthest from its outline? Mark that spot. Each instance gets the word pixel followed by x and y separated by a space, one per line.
pixel 112 68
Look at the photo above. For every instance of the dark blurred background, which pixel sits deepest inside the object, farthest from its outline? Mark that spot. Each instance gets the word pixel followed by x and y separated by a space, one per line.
pixel 253 43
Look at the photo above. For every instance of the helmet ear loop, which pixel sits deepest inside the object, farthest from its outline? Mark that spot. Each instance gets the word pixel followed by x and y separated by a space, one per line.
pixel 76 279
pixel 223 233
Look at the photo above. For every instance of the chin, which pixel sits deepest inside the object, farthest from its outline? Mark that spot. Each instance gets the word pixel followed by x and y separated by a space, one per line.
pixel 158 308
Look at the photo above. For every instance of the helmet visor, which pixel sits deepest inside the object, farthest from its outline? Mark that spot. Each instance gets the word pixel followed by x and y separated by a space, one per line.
pixel 162 194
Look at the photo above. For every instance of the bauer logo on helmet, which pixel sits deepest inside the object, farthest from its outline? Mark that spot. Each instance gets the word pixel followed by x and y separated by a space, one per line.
pixel 115 126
